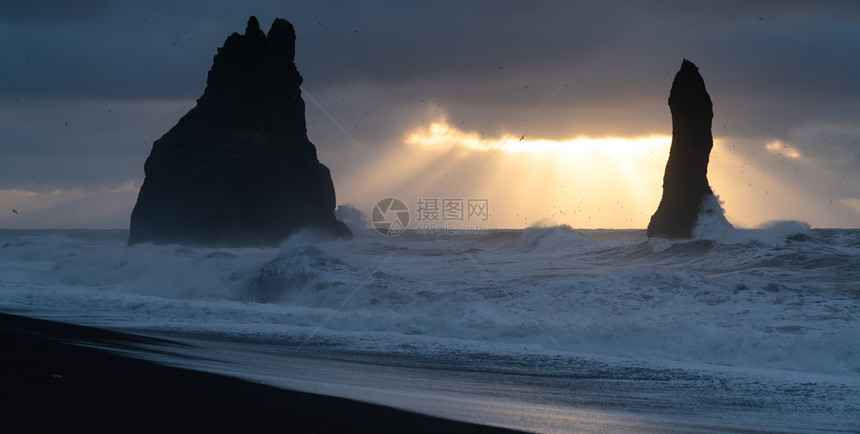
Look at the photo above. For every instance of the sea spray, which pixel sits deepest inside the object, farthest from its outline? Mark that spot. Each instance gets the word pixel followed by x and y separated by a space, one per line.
pixel 712 225
pixel 790 303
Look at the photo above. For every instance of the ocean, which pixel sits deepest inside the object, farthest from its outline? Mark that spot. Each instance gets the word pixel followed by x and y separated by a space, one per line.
pixel 548 329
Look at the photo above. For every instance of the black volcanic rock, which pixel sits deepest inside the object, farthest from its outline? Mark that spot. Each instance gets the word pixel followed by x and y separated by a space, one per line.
pixel 238 168
pixel 685 182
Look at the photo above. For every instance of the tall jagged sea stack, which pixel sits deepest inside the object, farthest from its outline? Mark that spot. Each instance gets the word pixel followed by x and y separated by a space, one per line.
pixel 685 181
pixel 238 168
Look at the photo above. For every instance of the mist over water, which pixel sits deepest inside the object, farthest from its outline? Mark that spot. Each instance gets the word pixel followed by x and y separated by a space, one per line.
pixel 783 298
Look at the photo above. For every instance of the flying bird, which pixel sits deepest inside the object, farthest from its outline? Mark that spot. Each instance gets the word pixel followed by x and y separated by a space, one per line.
pixel 15 211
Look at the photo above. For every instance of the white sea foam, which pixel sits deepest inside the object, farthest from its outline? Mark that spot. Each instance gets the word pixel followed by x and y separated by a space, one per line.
pixel 712 225
pixel 770 300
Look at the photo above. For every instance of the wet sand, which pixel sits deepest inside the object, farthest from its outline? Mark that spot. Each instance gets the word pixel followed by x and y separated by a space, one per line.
pixel 55 378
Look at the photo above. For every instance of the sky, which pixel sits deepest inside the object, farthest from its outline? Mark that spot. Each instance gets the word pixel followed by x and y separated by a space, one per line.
pixel 548 112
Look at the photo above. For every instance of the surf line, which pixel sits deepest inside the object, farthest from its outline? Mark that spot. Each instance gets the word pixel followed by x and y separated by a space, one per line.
pixel 339 308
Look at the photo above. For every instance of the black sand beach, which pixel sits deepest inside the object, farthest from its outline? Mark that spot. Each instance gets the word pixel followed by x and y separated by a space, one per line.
pixel 53 380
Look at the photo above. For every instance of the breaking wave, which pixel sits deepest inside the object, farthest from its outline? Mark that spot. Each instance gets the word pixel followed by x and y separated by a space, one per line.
pixel 782 297
pixel 712 225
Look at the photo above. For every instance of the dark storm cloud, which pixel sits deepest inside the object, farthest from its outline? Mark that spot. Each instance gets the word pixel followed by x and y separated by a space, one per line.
pixel 375 68
pixel 51 10
pixel 769 66
pixel 116 51
pixel 61 143
pixel 615 42
pixel 610 50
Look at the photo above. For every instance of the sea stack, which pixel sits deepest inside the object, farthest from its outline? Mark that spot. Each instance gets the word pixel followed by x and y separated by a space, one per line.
pixel 685 181
pixel 238 168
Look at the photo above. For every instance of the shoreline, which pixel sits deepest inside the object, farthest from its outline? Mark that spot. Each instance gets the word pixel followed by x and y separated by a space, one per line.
pixel 54 378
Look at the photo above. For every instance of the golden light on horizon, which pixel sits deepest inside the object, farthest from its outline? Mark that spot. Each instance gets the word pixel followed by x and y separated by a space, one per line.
pixel 105 207
pixel 442 135
pixel 607 182
pixel 585 182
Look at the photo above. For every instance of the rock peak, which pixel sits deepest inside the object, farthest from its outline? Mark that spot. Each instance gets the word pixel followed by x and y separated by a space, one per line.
pixel 282 38
pixel 686 65
pixel 253 25
pixel 255 76
pixel 688 92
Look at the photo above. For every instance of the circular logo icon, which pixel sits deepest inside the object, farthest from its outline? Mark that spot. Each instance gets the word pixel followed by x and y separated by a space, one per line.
pixel 389 216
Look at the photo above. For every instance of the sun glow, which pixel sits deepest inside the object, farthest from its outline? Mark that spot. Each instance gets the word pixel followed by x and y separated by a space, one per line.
pixel 585 182
pixel 607 182
pixel 780 149
pixel 441 135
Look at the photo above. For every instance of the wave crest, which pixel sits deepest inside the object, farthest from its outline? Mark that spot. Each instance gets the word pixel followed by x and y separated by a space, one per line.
pixel 712 225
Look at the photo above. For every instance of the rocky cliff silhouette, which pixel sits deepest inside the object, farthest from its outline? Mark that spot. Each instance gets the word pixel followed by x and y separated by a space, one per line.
pixel 685 181
pixel 238 168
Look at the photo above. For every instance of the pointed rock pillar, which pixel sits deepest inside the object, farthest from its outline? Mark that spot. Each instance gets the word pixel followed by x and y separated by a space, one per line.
pixel 685 181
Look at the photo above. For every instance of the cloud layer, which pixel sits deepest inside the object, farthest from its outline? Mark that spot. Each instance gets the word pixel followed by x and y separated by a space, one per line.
pixel 86 89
